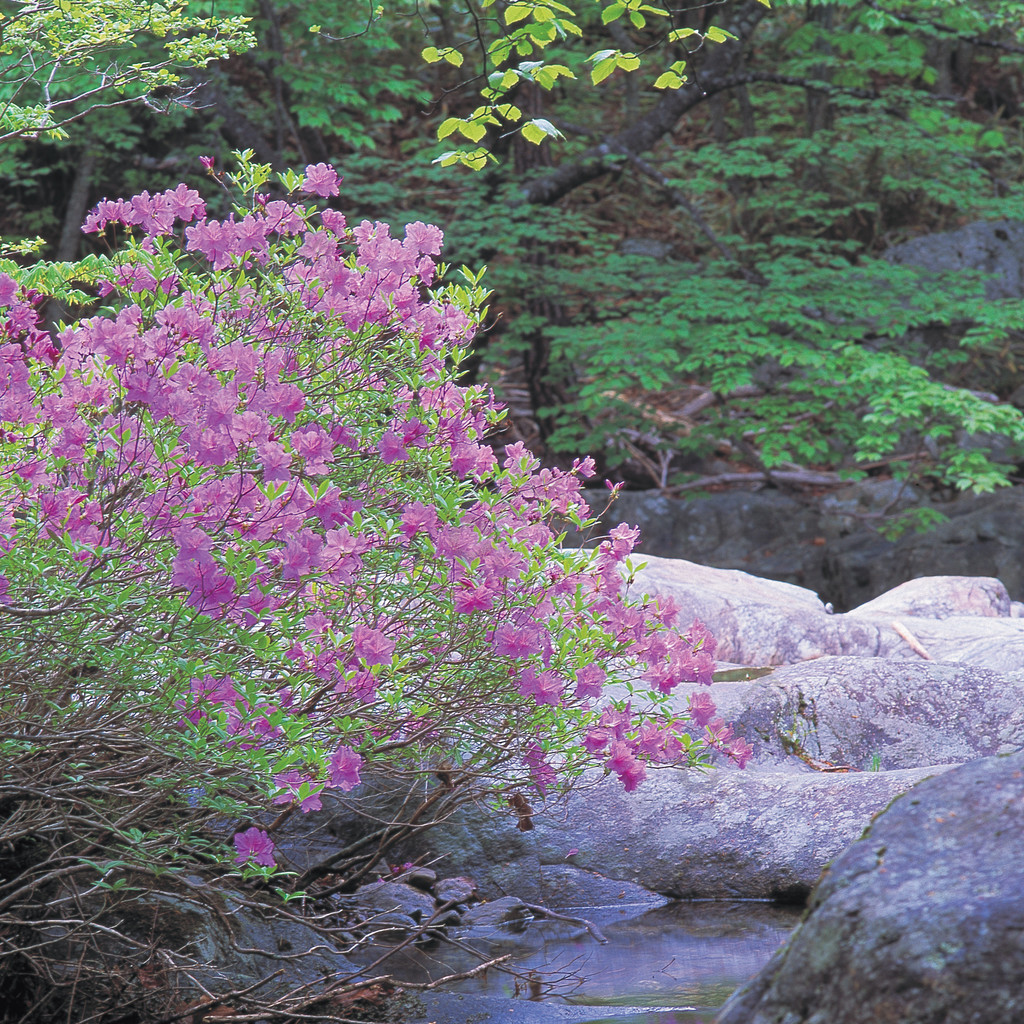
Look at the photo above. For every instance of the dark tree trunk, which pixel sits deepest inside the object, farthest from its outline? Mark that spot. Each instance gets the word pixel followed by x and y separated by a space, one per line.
pixel 819 106
pixel 236 128
pixel 68 247
pixel 546 389
pixel 308 141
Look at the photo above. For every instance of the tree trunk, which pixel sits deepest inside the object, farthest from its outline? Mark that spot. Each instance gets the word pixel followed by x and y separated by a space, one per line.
pixel 74 213
pixel 819 107
pixel 236 128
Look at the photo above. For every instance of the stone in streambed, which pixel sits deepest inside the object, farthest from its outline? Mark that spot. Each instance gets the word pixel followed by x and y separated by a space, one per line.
pixel 917 922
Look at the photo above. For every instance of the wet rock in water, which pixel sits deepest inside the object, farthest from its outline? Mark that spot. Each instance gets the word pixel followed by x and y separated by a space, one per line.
pixel 507 911
pixel 458 889
pixel 564 885
pixel 918 922
pixel 394 898
pixel 421 878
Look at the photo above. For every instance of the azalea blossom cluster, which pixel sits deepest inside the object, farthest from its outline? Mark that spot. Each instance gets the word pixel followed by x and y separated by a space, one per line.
pixel 263 444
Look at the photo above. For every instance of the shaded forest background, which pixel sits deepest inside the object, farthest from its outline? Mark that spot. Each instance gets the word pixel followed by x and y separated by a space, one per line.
pixel 689 284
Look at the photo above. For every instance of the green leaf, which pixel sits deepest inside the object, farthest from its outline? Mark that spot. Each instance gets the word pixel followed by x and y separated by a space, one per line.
pixel 718 35
pixel 612 12
pixel 602 69
pixel 516 12
pixel 668 80
pixel 454 57
pixel 628 61
pixel 447 126
pixel 431 54
pixel 473 130
pixel 681 33
pixel 539 129
pixel 533 134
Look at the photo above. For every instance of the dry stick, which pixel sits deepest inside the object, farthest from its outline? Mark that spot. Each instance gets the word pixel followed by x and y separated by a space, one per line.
pixel 806 478
pixel 912 642
pixel 554 915
pixel 461 976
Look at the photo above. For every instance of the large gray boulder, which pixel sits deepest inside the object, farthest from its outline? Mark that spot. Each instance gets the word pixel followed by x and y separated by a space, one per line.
pixel 856 695
pixel 963 619
pixel 983 536
pixel 724 835
pixel 755 621
pixel 994 248
pixel 873 714
pixel 918 922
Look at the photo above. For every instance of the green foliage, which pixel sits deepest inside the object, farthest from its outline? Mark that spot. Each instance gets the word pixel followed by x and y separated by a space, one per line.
pixel 59 59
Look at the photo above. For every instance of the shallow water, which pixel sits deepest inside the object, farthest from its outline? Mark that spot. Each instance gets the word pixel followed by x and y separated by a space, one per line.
pixel 682 960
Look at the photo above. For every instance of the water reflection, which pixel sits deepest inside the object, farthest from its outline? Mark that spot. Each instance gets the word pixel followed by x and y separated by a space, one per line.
pixel 684 958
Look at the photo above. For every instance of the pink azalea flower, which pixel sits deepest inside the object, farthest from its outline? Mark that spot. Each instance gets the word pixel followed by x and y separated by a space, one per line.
pixel 290 782
pixel 595 740
pixel 520 641
pixel 625 764
pixel 372 645
pixel 589 681
pixel 545 687
pixel 741 752
pixel 320 180
pixel 334 221
pixel 392 448
pixel 541 771
pixel 426 238
pixel 702 708
pixel 254 845
pixel 471 598
pixel 345 764
pixel 418 518
pixel 185 203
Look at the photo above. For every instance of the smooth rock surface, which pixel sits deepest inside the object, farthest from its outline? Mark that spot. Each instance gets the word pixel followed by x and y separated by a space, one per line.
pixel 920 921
pixel 723 835
pixel 994 248
pixel 507 911
pixel 564 886
pixel 962 619
pixel 874 713
pixel 381 898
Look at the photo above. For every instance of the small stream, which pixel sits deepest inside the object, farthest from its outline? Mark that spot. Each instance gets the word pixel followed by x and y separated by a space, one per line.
pixel 676 964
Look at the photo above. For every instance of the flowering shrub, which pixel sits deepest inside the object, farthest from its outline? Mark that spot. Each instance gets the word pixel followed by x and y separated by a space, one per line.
pixel 253 491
